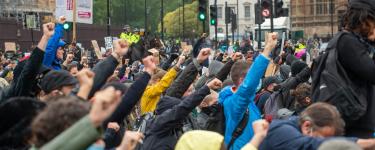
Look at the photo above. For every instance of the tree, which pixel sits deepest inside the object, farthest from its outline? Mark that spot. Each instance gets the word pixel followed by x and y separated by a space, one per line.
pixel 131 12
pixel 173 27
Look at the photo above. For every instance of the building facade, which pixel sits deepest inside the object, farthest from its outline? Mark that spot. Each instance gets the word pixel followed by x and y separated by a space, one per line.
pixel 245 18
pixel 316 18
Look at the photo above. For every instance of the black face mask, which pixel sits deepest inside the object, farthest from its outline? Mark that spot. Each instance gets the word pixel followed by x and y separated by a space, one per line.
pixel 211 109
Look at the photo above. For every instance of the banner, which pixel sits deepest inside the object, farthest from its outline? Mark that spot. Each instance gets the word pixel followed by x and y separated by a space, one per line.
pixel 84 13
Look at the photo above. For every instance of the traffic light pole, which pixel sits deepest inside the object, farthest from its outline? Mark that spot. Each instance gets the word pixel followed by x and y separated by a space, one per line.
pixel 74 39
pixel 271 15
pixel 161 20
pixel 108 19
pixel 259 29
pixel 203 26
pixel 215 24
pixel 145 17
pixel 233 30
pixel 183 19
pixel 226 27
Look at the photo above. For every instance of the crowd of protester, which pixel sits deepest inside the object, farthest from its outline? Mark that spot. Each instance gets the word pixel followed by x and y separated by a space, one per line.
pixel 137 97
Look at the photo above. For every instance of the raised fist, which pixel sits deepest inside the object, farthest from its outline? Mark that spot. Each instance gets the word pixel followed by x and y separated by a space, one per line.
pixel 215 84
pixel 203 54
pixel 48 29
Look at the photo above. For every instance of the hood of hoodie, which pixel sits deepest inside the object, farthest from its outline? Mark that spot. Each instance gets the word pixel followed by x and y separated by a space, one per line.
pixel 214 67
pixel 284 72
pixel 225 93
pixel 165 103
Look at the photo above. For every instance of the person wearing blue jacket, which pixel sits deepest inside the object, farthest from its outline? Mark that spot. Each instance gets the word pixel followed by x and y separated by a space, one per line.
pixel 54 53
pixel 240 98
pixel 317 124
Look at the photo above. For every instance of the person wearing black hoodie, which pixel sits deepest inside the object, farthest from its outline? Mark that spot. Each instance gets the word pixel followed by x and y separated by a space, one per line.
pixel 164 130
pixel 129 100
pixel 15 128
pixel 24 83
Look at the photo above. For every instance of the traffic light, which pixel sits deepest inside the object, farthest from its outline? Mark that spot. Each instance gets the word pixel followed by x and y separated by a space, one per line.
pixel 67 26
pixel 259 19
pixel 213 15
pixel 279 10
pixel 266 8
pixel 227 15
pixel 202 10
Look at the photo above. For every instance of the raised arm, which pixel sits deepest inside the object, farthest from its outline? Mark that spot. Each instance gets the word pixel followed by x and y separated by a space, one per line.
pixel 188 75
pixel 180 111
pixel 105 69
pixel 50 51
pixel 23 85
pixel 224 72
pixel 252 78
pixel 130 99
pixel 167 80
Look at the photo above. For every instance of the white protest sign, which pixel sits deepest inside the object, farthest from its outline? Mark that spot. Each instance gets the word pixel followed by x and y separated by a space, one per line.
pixel 10 46
pixel 108 42
pixel 84 13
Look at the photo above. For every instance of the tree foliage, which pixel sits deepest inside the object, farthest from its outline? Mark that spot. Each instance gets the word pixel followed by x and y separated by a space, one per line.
pixel 173 22
pixel 132 12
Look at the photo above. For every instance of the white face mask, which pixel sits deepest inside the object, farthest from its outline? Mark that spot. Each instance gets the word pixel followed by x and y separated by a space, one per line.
pixel 311 132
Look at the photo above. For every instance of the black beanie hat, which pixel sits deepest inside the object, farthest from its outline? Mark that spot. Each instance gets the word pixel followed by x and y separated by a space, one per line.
pixel 297 67
pixel 369 5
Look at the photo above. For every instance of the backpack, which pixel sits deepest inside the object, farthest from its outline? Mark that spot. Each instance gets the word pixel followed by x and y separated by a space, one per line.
pixel 257 97
pixel 216 123
pixel 216 119
pixel 273 104
pixel 331 84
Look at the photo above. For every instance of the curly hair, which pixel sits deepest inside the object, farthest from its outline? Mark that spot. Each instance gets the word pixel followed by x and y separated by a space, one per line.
pixel 59 115
pixel 359 20
pixel 301 92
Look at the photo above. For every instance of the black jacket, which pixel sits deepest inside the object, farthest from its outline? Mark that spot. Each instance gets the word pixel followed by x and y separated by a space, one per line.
pixel 354 55
pixel 184 80
pixel 162 134
pixel 102 70
pixel 292 83
pixel 129 100
pixel 24 83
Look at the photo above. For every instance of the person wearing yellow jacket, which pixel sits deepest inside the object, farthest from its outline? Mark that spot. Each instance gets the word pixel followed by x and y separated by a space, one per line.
pixel 159 82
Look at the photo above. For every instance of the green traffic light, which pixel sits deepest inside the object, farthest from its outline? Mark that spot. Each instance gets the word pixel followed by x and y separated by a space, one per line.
pixel 66 26
pixel 213 21
pixel 202 16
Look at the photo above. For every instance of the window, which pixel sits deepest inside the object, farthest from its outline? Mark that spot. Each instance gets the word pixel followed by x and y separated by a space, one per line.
pixel 325 6
pixel 312 7
pixel 219 12
pixel 332 8
pixel 319 7
pixel 247 11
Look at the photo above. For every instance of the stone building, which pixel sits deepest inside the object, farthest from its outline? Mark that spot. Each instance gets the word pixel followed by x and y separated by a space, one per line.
pixel 313 18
